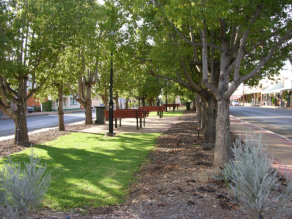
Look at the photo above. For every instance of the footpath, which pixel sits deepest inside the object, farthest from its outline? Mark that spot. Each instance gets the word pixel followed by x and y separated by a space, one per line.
pixel 154 124
pixel 278 146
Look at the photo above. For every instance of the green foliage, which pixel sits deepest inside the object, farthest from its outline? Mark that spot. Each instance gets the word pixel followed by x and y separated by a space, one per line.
pixel 22 187
pixel 48 106
pixel 225 174
pixel 95 170
pixel 273 100
pixel 285 95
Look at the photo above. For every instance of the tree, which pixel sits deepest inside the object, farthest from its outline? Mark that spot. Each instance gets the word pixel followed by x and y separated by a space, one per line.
pixel 31 44
pixel 175 60
pixel 231 42
pixel 69 26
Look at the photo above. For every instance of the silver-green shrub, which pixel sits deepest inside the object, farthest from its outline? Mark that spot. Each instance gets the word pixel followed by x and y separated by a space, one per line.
pixel 254 182
pixel 22 188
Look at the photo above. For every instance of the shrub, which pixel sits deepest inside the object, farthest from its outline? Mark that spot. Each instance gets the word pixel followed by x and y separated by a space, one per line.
pixel 22 189
pixel 224 174
pixel 254 181
pixel 48 106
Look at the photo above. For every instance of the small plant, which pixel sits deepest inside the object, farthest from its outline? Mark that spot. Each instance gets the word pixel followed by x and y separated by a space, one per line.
pixel 254 182
pixel 48 106
pixel 22 189
pixel 224 174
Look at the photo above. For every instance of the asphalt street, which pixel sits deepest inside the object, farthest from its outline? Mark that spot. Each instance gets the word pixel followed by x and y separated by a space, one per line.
pixel 272 119
pixel 41 121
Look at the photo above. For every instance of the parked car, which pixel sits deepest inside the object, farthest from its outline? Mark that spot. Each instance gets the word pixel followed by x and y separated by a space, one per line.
pixel 235 103
pixel 30 109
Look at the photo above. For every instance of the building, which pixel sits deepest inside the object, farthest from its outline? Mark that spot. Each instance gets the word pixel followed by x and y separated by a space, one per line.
pixel 68 103
pixel 271 93
pixel 277 92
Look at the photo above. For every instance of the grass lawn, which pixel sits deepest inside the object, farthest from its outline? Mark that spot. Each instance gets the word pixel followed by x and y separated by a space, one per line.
pixel 168 113
pixel 90 169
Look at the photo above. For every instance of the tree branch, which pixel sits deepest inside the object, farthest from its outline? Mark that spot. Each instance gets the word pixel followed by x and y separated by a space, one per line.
pixel 34 90
pixel 240 53
pixel 204 53
pixel 254 72
pixel 179 32
pixel 75 97
pixel 195 87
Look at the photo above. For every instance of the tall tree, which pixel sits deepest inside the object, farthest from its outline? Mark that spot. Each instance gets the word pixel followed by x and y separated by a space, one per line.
pixel 32 44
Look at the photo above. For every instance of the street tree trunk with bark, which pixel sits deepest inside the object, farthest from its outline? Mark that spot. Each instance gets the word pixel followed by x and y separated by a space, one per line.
pixel 105 97
pixel 88 77
pixel 223 139
pixel 143 100
pixel 211 116
pixel 127 103
pixel 60 108
pixel 198 108
pixel 15 107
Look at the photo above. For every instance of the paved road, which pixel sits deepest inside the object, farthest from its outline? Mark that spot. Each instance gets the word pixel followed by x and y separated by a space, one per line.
pixel 39 122
pixel 275 120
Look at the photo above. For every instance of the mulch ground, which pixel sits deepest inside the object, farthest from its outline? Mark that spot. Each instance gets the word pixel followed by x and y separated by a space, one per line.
pixel 175 182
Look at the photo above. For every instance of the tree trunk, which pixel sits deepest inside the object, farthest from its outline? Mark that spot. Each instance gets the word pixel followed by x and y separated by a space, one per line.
pixel 88 114
pixel 21 132
pixel 222 144
pixel 143 101
pixel 104 97
pixel 203 113
pixel 105 100
pixel 166 101
pixel 211 113
pixel 87 106
pixel 139 101
pixel 198 109
pixel 151 101
pixel 194 105
pixel 127 103
pixel 60 109
pixel 117 100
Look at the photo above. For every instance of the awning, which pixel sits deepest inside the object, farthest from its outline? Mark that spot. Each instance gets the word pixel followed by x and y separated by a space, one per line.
pixel 252 90
pixel 277 88
pixel 235 97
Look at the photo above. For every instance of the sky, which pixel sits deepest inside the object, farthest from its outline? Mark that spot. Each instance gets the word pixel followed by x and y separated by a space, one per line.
pixel 100 2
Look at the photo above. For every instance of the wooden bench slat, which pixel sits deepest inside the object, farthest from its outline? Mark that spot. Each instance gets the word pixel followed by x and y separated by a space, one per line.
pixel 128 113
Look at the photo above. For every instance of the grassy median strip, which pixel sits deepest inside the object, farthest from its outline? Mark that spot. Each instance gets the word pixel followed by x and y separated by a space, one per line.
pixel 90 170
pixel 168 113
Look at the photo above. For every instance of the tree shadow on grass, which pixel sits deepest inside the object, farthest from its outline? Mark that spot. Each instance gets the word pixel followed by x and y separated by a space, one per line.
pixel 86 175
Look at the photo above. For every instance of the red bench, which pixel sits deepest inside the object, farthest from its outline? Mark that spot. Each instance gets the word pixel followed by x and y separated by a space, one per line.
pixel 173 105
pixel 128 113
pixel 158 109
